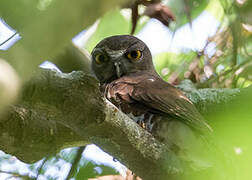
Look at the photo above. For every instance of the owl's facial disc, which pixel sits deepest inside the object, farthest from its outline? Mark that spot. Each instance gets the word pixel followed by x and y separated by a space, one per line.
pixel 121 55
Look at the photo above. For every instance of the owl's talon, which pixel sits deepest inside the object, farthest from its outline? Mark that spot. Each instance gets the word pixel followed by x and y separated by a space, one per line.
pixel 143 125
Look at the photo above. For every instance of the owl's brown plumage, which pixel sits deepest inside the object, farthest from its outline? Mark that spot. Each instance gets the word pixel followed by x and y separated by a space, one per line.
pixel 133 85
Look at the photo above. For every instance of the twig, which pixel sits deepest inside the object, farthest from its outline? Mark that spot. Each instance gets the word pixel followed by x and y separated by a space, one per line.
pixel 215 78
pixel 76 162
pixel 41 166
pixel 8 39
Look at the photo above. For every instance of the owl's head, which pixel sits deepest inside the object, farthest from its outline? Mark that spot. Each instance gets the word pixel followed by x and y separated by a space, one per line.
pixel 120 55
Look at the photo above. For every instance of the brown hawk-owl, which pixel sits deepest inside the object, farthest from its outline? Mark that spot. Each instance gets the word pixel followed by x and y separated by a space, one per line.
pixel 123 65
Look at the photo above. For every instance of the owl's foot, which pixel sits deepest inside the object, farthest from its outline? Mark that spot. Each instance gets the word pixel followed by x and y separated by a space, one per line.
pixel 145 124
pixel 142 124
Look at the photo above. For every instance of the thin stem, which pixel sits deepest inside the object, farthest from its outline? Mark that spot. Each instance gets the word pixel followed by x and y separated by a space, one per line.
pixel 8 39
pixel 75 163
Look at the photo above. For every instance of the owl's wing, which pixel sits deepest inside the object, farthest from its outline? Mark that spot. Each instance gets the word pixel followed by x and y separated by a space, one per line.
pixel 163 97
pixel 159 96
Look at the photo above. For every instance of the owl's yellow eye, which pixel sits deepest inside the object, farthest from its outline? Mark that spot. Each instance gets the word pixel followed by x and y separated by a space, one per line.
pixel 101 58
pixel 134 55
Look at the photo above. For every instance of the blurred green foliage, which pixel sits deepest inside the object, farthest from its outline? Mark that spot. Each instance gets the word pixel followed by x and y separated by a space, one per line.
pixel 168 63
pixel 111 19
pixel 112 23
pixel 46 27
pixel 232 123
pixel 185 11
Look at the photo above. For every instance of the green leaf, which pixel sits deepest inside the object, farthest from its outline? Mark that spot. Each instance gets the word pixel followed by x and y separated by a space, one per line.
pixel 243 82
pixel 215 8
pixel 68 156
pixel 86 171
pixel 112 23
pixel 182 8
pixel 106 170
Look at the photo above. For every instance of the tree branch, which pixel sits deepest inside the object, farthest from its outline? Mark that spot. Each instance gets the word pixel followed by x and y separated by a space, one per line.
pixel 58 110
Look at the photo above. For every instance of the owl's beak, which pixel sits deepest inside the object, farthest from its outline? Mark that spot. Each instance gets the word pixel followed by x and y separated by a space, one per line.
pixel 118 69
pixel 116 56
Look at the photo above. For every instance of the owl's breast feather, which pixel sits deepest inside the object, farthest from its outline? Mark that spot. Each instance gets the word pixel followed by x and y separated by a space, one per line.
pixel 119 93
